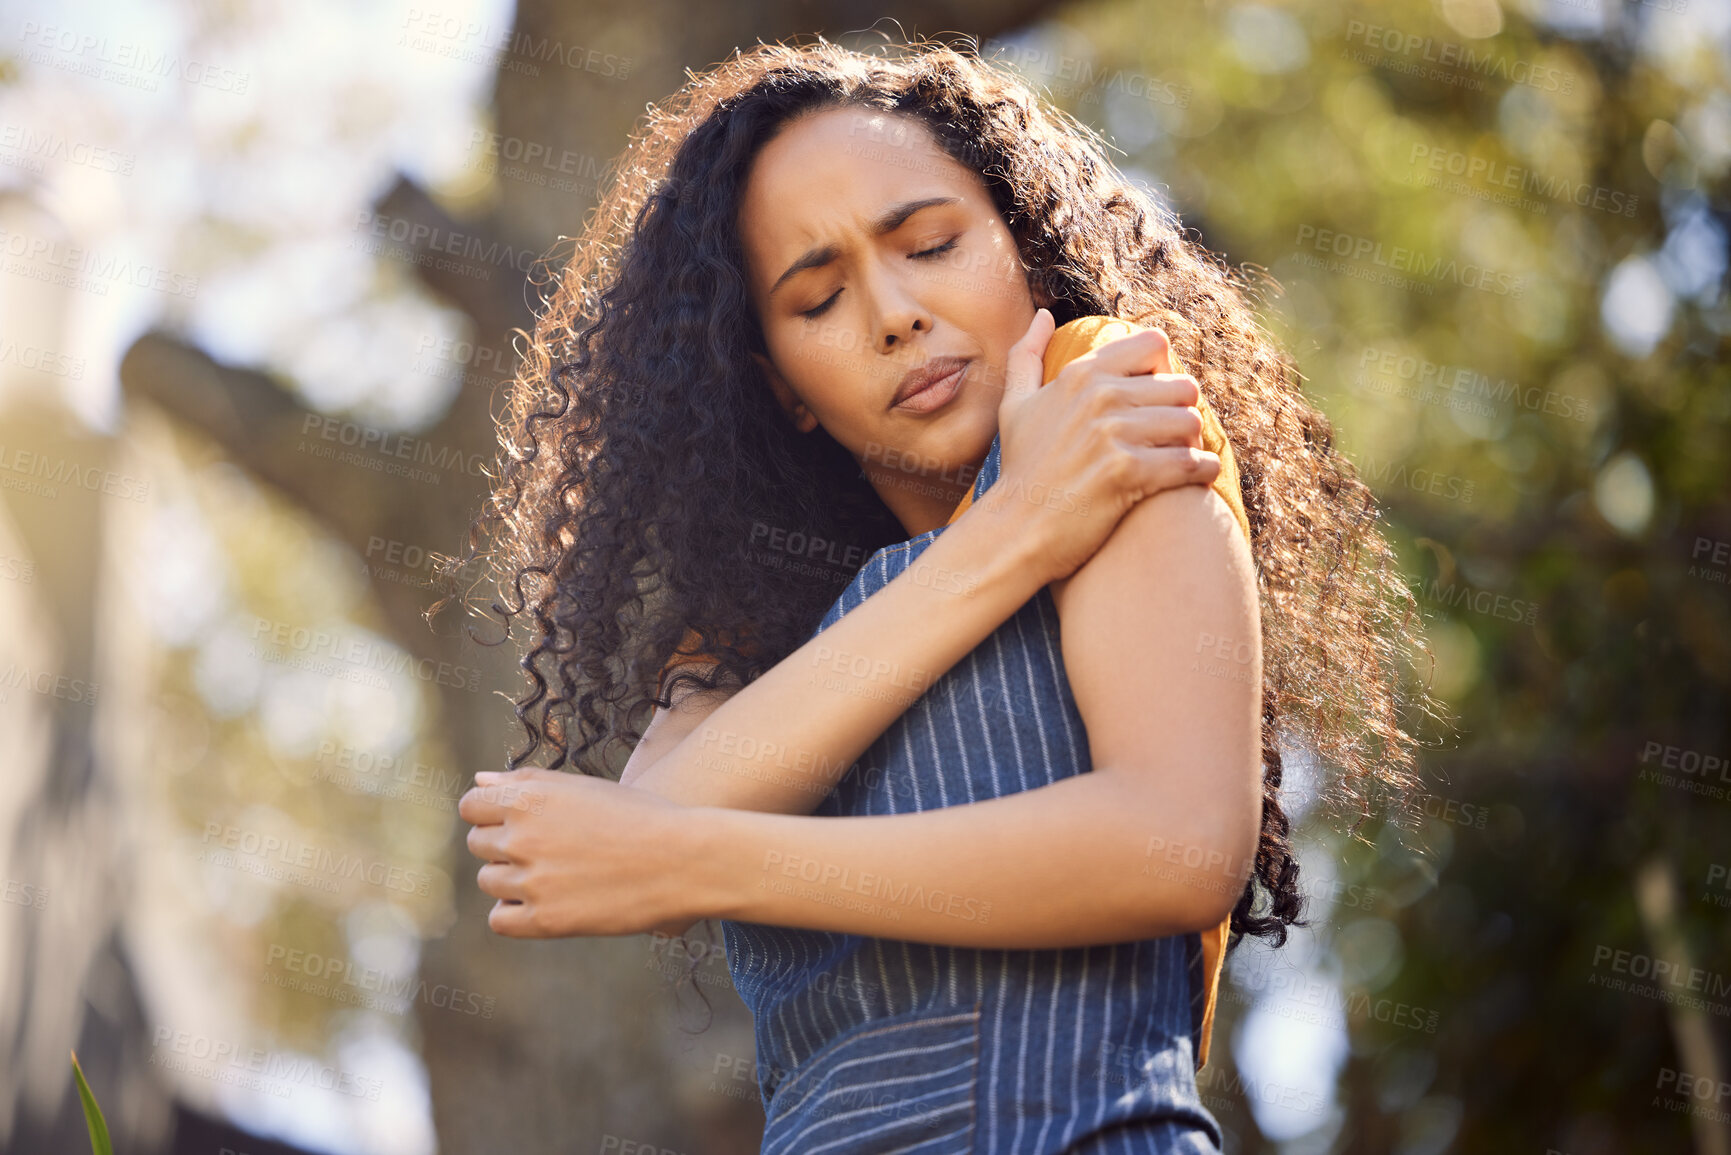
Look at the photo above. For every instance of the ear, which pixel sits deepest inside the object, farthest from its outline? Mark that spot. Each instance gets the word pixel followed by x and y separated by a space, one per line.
pixel 803 419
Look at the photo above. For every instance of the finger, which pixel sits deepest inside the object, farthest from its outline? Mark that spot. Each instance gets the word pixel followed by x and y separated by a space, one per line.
pixel 1173 425
pixel 480 804
pixel 1168 467
pixel 491 798
pixel 1166 389
pixel 1142 352
pixel 1152 389
pixel 488 843
pixel 501 880
pixel 1026 362
pixel 512 919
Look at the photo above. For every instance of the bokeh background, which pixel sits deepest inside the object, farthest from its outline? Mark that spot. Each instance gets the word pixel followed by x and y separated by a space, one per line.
pixel 260 264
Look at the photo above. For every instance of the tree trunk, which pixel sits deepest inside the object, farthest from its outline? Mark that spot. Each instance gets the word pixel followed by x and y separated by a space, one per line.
pixel 584 1039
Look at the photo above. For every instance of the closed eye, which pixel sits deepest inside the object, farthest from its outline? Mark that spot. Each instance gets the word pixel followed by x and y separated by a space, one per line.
pixel 943 248
pixel 812 314
pixel 816 311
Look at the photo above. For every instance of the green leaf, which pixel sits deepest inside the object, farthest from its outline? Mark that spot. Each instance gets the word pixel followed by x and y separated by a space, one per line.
pixel 99 1142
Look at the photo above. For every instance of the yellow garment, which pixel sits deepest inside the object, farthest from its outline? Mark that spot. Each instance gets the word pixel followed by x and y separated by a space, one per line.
pixel 1068 342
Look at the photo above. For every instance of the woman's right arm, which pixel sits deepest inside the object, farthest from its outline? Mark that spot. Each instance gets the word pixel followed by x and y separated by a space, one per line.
pixel 1108 430
pixel 783 742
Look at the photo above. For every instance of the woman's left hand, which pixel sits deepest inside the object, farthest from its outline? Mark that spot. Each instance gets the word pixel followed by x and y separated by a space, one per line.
pixel 571 854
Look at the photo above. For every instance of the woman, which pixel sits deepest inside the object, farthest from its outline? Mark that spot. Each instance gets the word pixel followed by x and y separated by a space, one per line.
pixel 974 867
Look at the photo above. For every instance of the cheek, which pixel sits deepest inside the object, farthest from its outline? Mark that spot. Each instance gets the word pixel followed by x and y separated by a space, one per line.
pixel 990 275
pixel 831 370
pixel 821 356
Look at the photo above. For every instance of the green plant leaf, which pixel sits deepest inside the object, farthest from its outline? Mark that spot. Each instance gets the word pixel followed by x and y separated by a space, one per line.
pixel 99 1142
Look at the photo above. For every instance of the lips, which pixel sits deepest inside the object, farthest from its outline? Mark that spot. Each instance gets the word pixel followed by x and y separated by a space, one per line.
pixel 924 376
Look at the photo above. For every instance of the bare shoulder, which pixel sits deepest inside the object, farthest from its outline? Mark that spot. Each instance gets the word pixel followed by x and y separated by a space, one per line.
pixel 1174 538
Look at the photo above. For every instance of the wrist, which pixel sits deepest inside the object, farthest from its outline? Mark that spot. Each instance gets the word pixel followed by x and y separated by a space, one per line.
pixel 713 843
pixel 1001 544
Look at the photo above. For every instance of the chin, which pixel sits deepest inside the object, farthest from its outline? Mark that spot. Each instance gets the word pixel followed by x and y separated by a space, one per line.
pixel 967 437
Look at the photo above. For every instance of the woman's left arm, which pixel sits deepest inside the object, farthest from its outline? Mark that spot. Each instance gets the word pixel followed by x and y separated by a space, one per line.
pixel 1161 645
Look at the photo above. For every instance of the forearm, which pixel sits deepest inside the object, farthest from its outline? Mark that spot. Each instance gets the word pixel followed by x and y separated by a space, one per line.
pixel 783 742
pixel 1095 858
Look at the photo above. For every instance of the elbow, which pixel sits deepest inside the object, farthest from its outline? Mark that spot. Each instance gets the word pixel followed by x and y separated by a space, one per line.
pixel 1220 898
pixel 1237 835
pixel 1237 839
pixel 637 774
pixel 1212 896
pixel 1208 874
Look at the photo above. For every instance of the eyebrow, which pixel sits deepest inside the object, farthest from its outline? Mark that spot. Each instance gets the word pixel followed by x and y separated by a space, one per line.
pixel 887 222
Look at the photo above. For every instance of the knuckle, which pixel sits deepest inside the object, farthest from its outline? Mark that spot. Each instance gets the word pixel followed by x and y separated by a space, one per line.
pixel 1098 400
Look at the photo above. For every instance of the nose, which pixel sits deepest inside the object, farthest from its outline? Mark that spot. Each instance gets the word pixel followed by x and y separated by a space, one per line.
pixel 897 313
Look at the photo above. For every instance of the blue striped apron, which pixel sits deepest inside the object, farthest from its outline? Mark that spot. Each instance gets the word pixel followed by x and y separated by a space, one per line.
pixel 877 1045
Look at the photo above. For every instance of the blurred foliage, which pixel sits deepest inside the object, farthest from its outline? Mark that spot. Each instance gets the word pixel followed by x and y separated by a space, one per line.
pixel 290 717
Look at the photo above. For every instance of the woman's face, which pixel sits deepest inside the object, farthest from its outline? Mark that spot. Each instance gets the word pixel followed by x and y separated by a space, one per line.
pixel 870 252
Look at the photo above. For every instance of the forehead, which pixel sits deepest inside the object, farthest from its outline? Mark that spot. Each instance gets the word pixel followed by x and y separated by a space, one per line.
pixel 825 175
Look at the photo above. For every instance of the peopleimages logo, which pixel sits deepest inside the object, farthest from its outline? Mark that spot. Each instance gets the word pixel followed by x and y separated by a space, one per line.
pixel 280 641
pixel 276 1072
pixel 1460 58
pixel 1395 475
pixel 1490 171
pixel 834 877
pixel 41 145
pixel 339 978
pixel 1661 973
pixel 1460 595
pixel 123 62
pixel 87 270
pixel 1430 379
pixel 1399 259
pixel 297 855
pixel 460 38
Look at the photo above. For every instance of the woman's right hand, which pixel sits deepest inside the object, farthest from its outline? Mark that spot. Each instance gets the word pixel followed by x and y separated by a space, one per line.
pixel 1114 426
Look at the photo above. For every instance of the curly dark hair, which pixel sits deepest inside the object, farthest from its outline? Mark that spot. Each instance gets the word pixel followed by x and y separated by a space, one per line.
pixel 642 445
